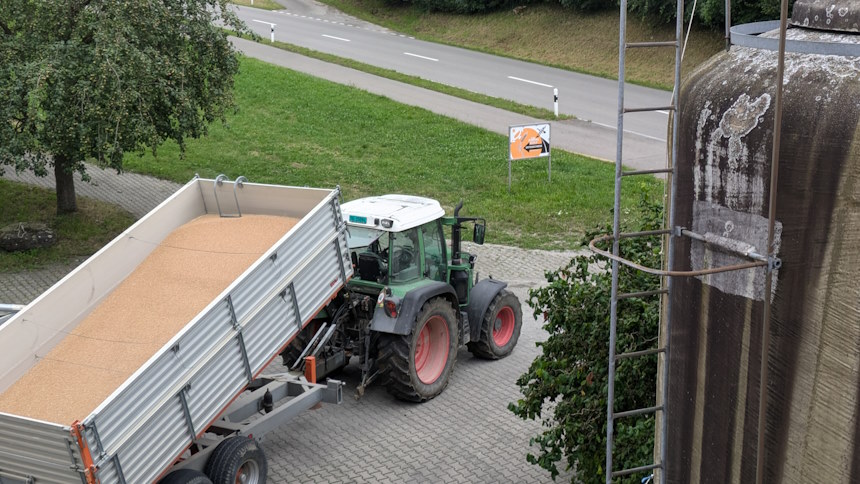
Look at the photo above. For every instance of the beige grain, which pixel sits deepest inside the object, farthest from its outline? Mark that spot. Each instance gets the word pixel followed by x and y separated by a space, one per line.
pixel 181 276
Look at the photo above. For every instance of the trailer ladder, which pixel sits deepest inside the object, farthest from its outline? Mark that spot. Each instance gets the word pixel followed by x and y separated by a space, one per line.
pixel 671 233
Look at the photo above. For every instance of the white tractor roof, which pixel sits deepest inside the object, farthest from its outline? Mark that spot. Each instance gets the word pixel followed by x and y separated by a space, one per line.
pixel 403 212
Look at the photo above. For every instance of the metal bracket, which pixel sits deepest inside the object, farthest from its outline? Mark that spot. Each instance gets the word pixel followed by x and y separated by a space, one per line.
pixel 773 263
pixel 187 412
pixel 233 319
pixel 118 467
pixel 99 447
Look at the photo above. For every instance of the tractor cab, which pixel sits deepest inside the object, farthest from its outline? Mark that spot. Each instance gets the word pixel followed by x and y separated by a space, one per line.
pixel 398 241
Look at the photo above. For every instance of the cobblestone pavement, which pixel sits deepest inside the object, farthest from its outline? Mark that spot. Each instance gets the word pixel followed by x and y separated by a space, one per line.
pixel 465 435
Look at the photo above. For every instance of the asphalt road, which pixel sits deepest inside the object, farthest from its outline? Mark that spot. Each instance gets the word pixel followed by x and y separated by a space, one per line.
pixel 592 99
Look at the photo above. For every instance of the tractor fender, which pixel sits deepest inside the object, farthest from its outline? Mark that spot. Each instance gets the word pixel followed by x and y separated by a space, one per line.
pixel 410 305
pixel 481 297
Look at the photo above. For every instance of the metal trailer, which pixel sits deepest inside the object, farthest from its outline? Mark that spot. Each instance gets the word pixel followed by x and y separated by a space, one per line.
pixel 168 413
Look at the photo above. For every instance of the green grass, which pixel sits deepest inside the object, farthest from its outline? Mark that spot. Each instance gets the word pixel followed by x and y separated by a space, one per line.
pixel 507 105
pixel 79 234
pixel 263 4
pixel 298 130
pixel 547 34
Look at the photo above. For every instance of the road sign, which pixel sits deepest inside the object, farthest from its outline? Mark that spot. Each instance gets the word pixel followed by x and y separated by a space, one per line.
pixel 528 141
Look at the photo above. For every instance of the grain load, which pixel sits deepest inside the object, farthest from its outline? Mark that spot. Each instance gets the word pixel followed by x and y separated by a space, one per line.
pixel 183 274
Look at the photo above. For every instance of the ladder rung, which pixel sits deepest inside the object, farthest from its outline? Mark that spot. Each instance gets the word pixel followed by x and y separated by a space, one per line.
pixel 657 108
pixel 665 43
pixel 628 295
pixel 634 470
pixel 638 411
pixel 635 354
pixel 647 172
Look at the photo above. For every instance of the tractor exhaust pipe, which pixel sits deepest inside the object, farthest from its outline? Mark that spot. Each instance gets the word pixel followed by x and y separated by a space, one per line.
pixel 455 236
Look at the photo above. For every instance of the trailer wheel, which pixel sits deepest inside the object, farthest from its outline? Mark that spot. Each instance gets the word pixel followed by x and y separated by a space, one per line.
pixel 237 460
pixel 500 328
pixel 418 365
pixel 185 476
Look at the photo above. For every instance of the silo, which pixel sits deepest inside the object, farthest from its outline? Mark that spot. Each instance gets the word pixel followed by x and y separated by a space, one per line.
pixel 725 147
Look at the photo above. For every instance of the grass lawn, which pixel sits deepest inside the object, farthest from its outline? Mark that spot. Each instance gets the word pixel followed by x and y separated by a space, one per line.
pixel 294 129
pixel 547 34
pixel 78 234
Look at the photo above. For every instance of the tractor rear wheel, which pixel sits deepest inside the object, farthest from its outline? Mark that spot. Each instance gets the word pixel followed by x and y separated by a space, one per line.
pixel 500 328
pixel 418 365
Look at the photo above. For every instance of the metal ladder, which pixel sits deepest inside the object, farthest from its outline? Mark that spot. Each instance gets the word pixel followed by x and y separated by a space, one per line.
pixel 670 234
pixel 660 405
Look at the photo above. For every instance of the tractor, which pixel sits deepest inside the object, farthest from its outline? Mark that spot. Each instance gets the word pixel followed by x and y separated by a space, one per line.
pixel 411 303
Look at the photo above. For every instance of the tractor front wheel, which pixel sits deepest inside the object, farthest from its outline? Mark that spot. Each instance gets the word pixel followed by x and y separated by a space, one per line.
pixel 500 328
pixel 418 365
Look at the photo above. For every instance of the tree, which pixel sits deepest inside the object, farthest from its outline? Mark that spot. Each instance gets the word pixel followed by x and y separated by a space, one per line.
pixel 93 79
pixel 566 385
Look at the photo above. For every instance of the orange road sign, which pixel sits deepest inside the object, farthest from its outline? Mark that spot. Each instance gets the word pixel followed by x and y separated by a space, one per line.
pixel 529 141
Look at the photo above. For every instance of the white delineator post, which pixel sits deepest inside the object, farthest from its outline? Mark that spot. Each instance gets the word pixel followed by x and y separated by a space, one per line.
pixel 555 100
pixel 271 26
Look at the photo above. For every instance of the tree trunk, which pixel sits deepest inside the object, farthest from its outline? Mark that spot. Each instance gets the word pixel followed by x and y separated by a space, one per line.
pixel 64 173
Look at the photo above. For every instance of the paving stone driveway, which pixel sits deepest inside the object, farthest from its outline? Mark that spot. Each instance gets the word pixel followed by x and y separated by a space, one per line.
pixel 465 435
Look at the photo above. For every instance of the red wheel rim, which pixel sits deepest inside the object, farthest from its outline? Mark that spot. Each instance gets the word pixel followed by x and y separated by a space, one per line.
pixel 503 327
pixel 431 350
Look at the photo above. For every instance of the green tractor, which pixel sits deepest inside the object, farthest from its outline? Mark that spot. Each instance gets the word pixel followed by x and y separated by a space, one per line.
pixel 411 303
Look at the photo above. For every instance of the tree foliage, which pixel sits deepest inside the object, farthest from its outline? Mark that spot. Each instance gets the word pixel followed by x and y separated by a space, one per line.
pixel 94 79
pixel 566 386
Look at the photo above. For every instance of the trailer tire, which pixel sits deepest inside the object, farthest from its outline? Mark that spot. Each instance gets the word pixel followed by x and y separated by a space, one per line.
pixel 237 459
pixel 500 328
pixel 185 476
pixel 417 366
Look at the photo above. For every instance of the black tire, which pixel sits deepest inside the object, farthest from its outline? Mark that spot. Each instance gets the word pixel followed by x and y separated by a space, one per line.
pixel 235 456
pixel 421 381
pixel 500 328
pixel 185 476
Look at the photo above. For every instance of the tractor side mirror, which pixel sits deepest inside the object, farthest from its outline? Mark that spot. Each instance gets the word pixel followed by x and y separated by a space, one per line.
pixel 478 234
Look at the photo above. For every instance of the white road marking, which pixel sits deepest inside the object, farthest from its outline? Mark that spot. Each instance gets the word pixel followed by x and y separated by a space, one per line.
pixel 267 23
pixel 528 81
pixel 421 56
pixel 664 112
pixel 336 38
pixel 631 132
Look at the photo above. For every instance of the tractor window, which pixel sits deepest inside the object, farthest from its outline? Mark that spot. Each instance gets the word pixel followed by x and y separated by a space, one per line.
pixel 403 255
pixel 434 251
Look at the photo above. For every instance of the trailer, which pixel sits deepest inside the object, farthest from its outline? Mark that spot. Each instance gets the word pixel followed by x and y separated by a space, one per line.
pixel 200 402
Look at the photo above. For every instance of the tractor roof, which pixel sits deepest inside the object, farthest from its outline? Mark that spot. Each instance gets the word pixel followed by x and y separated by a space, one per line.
pixel 392 213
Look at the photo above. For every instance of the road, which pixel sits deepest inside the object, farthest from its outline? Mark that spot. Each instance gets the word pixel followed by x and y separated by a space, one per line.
pixel 588 98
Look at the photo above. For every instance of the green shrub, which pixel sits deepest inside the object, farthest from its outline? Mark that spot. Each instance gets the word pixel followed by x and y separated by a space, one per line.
pixel 566 386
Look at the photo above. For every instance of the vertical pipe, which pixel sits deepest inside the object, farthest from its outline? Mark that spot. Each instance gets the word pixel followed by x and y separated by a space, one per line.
pixel 728 24
pixel 673 188
pixel 761 460
pixel 613 309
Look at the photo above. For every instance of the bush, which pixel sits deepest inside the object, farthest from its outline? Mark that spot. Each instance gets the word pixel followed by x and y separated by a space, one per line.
pixel 566 386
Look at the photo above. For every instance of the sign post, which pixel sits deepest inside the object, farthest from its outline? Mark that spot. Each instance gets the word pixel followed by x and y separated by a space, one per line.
pixel 529 141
